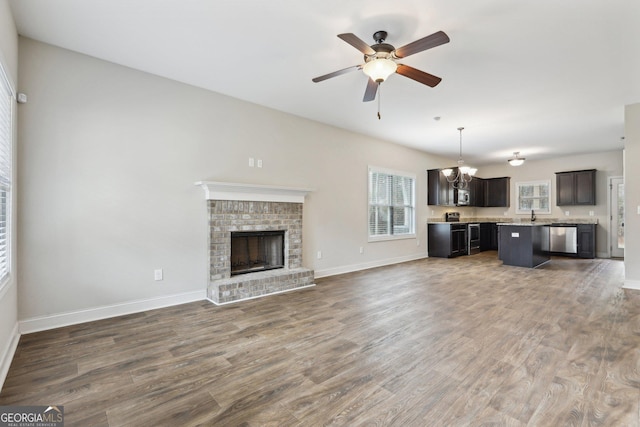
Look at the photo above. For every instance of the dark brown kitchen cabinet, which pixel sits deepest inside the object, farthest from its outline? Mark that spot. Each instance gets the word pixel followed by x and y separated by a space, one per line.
pixel 497 192
pixel 476 192
pixel 488 236
pixel 586 240
pixel 576 188
pixel 447 240
pixel 439 192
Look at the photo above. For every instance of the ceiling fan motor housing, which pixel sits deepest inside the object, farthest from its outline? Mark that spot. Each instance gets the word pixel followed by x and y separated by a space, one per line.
pixel 383 50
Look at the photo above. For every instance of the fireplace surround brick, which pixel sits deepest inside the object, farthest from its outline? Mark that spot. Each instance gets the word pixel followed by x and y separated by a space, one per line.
pixel 226 216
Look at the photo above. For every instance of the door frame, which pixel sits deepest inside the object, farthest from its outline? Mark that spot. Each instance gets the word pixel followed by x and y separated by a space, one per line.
pixel 610 212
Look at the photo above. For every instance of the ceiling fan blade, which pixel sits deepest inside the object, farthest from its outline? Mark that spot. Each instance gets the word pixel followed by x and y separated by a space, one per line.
pixel 370 91
pixel 435 39
pixel 417 75
pixel 358 43
pixel 336 73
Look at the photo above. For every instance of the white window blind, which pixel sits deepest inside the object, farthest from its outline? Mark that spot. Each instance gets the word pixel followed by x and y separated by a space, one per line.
pixel 6 132
pixel 391 203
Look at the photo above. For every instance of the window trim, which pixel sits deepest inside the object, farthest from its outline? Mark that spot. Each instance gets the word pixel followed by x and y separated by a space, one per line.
pixel 547 182
pixel 7 89
pixel 404 174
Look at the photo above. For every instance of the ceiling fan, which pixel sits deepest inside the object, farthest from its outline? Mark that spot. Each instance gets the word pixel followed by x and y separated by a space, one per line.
pixel 381 60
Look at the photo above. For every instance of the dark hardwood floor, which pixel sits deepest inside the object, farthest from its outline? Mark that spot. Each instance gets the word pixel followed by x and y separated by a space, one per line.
pixel 436 342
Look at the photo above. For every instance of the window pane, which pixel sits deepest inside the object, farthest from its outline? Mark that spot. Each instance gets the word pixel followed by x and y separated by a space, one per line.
pixel 402 220
pixel 544 191
pixel 544 204
pixel 526 204
pixel 526 191
pixel 402 191
pixel 379 219
pixel 379 184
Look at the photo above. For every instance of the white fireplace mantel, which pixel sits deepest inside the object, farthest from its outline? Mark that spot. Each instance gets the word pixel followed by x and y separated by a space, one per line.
pixel 252 192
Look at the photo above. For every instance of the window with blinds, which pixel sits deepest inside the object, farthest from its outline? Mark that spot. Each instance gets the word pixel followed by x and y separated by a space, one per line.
pixel 391 204
pixel 6 102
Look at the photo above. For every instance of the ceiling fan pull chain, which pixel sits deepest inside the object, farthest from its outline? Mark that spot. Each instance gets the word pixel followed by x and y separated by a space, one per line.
pixel 379 96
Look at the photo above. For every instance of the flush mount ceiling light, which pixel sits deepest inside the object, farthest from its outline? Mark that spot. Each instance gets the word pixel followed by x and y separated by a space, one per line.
pixel 516 160
pixel 465 173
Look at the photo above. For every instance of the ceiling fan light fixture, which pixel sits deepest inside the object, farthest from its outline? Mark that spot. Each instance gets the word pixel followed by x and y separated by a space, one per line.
pixel 516 160
pixel 379 69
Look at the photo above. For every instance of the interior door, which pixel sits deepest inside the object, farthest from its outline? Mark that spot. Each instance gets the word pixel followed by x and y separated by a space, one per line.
pixel 617 216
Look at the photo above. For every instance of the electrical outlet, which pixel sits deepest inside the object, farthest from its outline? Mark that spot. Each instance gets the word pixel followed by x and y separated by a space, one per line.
pixel 259 163
pixel 157 274
pixel 251 162
pixel 566 213
pixel 361 250
pixel 591 213
pixel 319 254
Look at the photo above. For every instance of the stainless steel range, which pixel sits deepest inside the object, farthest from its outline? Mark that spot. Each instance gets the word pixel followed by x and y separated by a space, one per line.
pixel 452 216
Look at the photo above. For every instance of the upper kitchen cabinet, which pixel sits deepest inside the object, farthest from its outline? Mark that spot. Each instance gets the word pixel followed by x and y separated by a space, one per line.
pixel 439 192
pixel 476 192
pixel 497 192
pixel 576 188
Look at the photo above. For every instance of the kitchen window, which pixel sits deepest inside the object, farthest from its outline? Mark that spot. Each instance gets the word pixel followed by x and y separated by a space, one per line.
pixel 533 196
pixel 391 204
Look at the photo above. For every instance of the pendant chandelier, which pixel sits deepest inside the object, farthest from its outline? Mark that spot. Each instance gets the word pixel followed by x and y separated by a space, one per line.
pixel 464 173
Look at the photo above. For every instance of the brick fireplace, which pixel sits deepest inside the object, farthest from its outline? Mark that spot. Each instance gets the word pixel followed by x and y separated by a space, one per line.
pixel 253 208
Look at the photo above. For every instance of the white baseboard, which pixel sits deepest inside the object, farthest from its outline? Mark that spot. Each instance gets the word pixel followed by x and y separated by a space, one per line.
pixel 8 353
pixel 53 321
pixel 365 266
pixel 631 284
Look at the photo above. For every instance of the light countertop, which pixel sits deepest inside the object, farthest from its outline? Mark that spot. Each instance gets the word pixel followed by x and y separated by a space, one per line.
pixel 517 221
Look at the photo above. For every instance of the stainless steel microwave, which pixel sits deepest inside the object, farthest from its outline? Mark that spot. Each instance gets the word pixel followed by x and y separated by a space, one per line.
pixel 463 197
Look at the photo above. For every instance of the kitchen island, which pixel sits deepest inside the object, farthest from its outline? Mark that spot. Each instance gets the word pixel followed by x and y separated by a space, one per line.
pixel 523 244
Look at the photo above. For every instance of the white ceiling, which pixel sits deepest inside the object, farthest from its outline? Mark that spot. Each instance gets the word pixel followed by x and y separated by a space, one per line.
pixel 542 77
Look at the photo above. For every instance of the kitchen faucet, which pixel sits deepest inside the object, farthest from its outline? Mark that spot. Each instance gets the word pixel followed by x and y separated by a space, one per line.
pixel 533 216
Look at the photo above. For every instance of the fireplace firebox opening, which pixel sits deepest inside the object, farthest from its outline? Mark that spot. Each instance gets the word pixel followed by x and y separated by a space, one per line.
pixel 253 251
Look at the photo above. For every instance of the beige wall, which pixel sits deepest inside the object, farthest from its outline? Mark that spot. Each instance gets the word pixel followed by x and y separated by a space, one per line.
pixel 632 196
pixel 108 160
pixel 8 291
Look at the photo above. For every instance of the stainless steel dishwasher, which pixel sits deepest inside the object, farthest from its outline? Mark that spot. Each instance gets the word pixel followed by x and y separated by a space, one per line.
pixel 563 239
